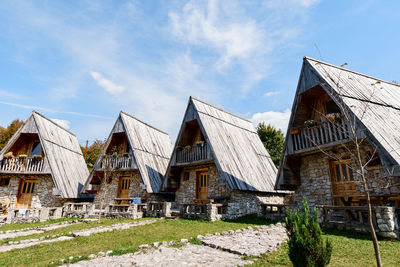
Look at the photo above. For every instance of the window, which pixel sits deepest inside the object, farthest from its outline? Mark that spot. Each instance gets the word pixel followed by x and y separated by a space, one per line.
pixel 4 181
pixel 373 159
pixel 331 107
pixel 186 176
pixel 343 171
pixel 36 149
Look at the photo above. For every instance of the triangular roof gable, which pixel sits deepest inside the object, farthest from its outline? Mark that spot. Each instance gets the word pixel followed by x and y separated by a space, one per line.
pixel 151 150
pixel 239 154
pixel 62 151
pixel 355 90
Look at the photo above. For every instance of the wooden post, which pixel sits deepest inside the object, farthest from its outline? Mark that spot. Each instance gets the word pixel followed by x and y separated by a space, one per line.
pixel 87 141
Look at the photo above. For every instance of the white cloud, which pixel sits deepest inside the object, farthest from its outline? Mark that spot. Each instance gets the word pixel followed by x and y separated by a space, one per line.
pixel 271 93
pixel 277 119
pixel 106 84
pixel 62 123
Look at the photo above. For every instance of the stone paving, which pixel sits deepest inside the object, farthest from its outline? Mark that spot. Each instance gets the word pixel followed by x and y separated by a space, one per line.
pixel 219 249
pixel 85 232
pixel 188 255
pixel 31 231
pixel 102 229
pixel 248 241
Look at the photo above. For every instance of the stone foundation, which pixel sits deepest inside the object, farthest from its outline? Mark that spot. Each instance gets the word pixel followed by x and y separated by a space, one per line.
pixel 387 222
pixel 187 190
pixel 44 192
pixel 316 180
pixel 108 189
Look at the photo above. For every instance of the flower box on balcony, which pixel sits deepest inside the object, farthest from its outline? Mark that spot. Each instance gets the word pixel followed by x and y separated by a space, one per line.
pixel 310 123
pixel 294 131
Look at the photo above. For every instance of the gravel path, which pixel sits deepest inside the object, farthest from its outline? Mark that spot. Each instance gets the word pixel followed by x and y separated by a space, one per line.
pixel 188 255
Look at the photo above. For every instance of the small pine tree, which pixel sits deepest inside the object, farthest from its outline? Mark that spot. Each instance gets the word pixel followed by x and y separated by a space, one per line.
pixel 306 246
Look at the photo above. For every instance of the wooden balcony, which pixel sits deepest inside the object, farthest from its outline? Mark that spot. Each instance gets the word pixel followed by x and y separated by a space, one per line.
pixel 119 162
pixel 194 153
pixel 24 165
pixel 323 135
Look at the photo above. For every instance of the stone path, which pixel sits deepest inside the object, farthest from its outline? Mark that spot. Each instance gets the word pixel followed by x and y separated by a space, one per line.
pixel 102 229
pixel 188 255
pixel 220 249
pixel 39 230
pixel 85 232
pixel 248 242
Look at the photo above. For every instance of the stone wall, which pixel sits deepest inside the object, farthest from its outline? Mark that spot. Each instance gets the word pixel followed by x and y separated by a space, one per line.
pixel 244 203
pixel 387 222
pixel 316 181
pixel 108 190
pixel 43 193
pixel 187 190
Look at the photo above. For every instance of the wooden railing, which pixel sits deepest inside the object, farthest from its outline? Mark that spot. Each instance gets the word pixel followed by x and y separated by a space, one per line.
pixel 23 165
pixel 326 133
pixel 347 215
pixel 123 162
pixel 193 153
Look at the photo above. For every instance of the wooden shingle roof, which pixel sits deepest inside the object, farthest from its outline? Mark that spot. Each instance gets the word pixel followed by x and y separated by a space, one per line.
pixel 239 154
pixel 62 151
pixel 150 146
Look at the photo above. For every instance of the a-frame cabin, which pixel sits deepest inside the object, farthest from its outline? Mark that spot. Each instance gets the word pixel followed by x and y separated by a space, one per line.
pixel 131 165
pixel 319 156
pixel 219 158
pixel 41 166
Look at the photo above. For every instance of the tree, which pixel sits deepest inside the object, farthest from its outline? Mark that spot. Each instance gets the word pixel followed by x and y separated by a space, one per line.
pixel 7 133
pixel 273 140
pixel 93 152
pixel 306 246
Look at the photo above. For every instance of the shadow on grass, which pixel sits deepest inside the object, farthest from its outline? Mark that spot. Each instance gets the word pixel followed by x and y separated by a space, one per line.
pixel 251 219
pixel 349 234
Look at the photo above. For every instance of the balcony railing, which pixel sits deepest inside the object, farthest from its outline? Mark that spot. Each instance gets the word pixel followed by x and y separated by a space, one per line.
pixel 193 153
pixel 119 162
pixel 23 165
pixel 325 134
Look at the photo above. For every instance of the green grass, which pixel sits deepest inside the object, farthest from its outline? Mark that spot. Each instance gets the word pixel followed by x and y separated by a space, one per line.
pixel 18 226
pixel 349 249
pixel 122 241
pixel 72 227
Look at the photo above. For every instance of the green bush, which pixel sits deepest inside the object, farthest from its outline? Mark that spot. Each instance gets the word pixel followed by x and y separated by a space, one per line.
pixel 306 246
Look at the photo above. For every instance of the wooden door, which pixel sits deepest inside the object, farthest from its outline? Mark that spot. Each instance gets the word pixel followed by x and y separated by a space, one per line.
pixel 25 194
pixel 202 185
pixel 123 188
pixel 342 180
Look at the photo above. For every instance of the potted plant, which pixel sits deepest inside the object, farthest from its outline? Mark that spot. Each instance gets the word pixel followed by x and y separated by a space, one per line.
pixel 333 116
pixel 294 131
pixel 310 123
pixel 115 154
pixel 22 156
pixel 126 155
pixel 37 157
pixel 188 148
pixel 200 143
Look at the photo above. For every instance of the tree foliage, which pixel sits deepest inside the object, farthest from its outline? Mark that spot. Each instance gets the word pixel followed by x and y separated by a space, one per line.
pixel 306 246
pixel 9 131
pixel 273 141
pixel 93 152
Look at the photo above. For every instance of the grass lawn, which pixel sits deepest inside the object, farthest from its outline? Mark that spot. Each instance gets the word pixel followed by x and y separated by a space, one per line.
pixel 72 227
pixel 18 226
pixel 349 249
pixel 122 241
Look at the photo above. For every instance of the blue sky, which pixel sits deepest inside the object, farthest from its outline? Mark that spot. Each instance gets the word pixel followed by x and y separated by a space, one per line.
pixel 81 62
